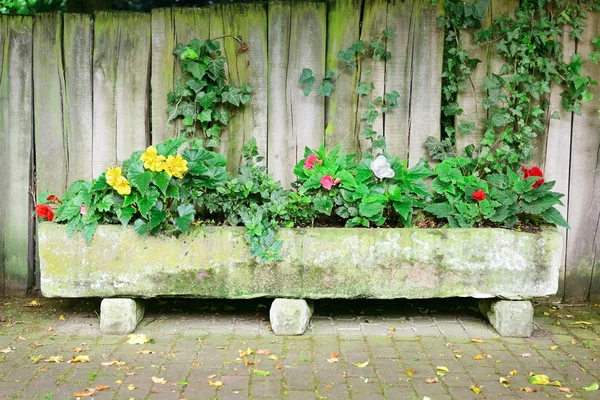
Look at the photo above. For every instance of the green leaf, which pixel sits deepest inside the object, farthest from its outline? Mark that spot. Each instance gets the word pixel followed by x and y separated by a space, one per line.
pixel 186 217
pixel 170 147
pixel 326 88
pixel 157 217
pixel 99 183
pixel 222 115
pixel 370 210
pixel 138 177
pixel 363 89
pixel 215 68
pixel 105 203
pixel 148 201
pixel 308 80
pixel 323 205
pixel 231 96
pixel 205 116
pixel 261 373
pixel 196 69
pixel 88 231
pixel 141 227
pixel 553 216
pixel 402 208
pixel 125 214
pixel 440 210
pixel 593 387
pixel 394 193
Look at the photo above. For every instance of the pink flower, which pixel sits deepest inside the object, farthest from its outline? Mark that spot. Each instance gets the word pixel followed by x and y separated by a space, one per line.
pixel 328 182
pixel 83 210
pixel 311 160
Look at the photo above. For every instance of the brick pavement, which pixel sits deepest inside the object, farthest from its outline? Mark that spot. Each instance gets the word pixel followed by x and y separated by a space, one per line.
pixel 194 342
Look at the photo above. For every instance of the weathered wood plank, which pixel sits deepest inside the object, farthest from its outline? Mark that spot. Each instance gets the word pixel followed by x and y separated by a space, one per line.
pixel 296 41
pixel 426 89
pixel 343 30
pixel 163 43
pixel 398 74
pixel 471 98
pixel 121 97
pixel 48 94
pixel 16 135
pixel 77 102
pixel 583 241
pixel 558 154
pixel 248 21
pixel 374 21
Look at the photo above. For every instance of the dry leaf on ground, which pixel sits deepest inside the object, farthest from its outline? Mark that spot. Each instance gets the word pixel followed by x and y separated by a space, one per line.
pixel 431 380
pixel 137 339
pixel 156 379
pixel 216 383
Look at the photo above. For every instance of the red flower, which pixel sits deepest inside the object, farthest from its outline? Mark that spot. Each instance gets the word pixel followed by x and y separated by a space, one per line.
pixel 328 182
pixel 311 160
pixel 53 198
pixel 534 171
pixel 44 211
pixel 478 195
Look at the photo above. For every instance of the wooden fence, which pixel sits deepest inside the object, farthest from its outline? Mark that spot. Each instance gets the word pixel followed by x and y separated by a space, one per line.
pixel 78 94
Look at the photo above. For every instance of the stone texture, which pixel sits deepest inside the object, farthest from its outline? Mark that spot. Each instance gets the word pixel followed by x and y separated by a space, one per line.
pixel 290 317
pixel 120 316
pixel 215 262
pixel 510 318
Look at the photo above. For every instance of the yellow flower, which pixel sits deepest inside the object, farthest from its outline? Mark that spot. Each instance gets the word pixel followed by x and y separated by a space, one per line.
pixel 112 174
pixel 118 181
pixel 152 160
pixel 176 166
pixel 122 186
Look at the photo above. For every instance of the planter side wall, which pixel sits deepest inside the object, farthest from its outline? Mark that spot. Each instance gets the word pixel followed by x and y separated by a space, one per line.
pixel 214 262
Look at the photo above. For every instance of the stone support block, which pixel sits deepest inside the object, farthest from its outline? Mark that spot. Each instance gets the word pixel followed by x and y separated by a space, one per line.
pixel 290 317
pixel 120 316
pixel 510 318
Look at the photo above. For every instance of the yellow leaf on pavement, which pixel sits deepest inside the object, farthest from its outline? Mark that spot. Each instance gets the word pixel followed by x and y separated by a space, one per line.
pixel 156 379
pixel 553 347
pixel 475 389
pixel 130 387
pixel 332 360
pixel 442 368
pixel 504 381
pixel 361 364
pixel 62 318
pixel 478 341
pixel 55 359
pixel 112 363
pixel 216 383
pixel 478 357
pixel 80 359
pixel 513 372
pixel 137 339
pixel 541 379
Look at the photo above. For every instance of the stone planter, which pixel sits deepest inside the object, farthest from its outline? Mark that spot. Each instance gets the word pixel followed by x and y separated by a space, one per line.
pixel 318 263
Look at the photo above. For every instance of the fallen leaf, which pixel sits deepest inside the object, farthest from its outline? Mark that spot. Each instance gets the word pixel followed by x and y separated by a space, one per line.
pixel 130 387
pixel 216 383
pixel 442 368
pixel 541 379
pixel 137 339
pixel 553 347
pixel 144 352
pixel 593 387
pixel 61 318
pixel 573 341
pixel 156 379
pixel 278 366
pixel 504 381
pixel 332 360
pixel 211 376
pixel 261 373
pixel 475 389
pixel 112 363
pixel 391 329
pixel 457 356
pixel 33 303
pixel 35 359
pixel 478 357
pixel 361 364
pixel 263 351
pixel 6 350
pixel 478 341
pixel 247 363
pixel 526 389
pixel 409 372
pixel 334 355
pixel 513 372
pixel 182 383
pixel 328 387
pixel 77 349
pixel 20 339
pixel 90 392
pixel 564 390
pixel 525 355
pixel 55 359
pixel 273 357
pixel 120 382
pixel 581 323
pixel 431 380
pixel 79 359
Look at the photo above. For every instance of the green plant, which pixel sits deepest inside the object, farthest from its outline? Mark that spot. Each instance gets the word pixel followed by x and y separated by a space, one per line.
pixel 26 7
pixel 202 99
pixel 372 192
pixel 504 198
pixel 352 59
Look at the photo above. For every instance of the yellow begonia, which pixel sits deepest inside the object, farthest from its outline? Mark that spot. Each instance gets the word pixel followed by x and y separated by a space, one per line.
pixel 152 160
pixel 118 181
pixel 176 166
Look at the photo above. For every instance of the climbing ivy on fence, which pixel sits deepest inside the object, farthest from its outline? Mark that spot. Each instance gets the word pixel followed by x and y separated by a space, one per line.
pixel 518 96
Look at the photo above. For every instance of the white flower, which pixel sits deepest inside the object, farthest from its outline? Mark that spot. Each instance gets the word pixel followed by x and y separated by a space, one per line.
pixel 381 168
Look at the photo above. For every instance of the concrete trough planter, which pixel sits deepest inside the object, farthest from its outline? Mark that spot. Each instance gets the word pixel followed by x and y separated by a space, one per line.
pixel 506 267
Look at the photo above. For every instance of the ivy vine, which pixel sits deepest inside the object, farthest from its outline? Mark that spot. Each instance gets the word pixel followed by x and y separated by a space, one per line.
pixel 203 99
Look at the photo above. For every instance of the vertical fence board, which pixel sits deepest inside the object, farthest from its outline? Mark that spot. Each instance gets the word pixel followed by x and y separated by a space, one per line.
pixel 16 128
pixel 470 99
pixel 77 102
pixel 296 41
pixel 398 75
pixel 248 21
pixel 583 244
pixel 558 154
pixel 425 101
pixel 132 94
pixel 48 93
pixel 343 30
pixel 163 43
pixel 121 86
pixel 374 21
